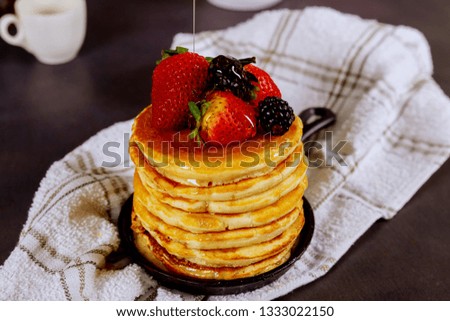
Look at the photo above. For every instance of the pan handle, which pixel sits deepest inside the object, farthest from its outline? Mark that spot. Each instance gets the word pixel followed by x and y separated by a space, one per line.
pixel 315 119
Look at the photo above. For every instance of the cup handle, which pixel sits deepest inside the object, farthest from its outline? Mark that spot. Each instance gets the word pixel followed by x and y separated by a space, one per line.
pixel 5 22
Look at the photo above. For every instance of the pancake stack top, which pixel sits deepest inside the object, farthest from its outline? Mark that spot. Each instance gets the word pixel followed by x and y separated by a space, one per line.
pixel 220 170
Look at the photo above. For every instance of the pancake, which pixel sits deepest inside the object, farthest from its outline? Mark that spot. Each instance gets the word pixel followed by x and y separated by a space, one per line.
pixel 206 222
pixel 181 160
pixel 235 256
pixel 233 191
pixel 159 256
pixel 216 212
pixel 251 203
pixel 216 240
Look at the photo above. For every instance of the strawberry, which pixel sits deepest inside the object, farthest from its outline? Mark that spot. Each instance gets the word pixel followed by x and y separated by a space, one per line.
pixel 180 77
pixel 223 118
pixel 267 86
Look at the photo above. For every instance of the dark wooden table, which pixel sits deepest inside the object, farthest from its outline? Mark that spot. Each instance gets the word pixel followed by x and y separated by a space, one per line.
pixel 46 111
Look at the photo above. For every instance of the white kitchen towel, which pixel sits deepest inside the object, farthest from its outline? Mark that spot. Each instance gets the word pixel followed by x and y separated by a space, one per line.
pixel 392 133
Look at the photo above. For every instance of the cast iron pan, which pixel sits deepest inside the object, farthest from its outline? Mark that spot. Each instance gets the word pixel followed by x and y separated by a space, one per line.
pixel 314 119
pixel 212 287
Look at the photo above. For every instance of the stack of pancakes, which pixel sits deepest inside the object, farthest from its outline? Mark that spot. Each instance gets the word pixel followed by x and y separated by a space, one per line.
pixel 212 212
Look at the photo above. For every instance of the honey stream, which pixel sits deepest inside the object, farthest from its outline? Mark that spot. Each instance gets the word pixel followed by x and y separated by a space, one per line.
pixel 193 25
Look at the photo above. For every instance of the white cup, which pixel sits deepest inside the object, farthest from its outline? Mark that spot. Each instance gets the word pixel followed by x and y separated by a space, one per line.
pixel 244 5
pixel 52 30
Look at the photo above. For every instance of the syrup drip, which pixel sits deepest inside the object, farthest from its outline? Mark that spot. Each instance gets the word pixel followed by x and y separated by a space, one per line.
pixel 193 25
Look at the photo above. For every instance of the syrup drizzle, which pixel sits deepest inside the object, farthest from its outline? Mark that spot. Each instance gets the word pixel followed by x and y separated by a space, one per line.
pixel 193 25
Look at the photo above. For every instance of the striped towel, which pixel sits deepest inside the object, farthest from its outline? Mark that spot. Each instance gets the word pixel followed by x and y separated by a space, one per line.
pixel 392 133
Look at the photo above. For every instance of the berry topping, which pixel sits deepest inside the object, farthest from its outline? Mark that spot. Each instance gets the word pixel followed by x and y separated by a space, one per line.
pixel 223 118
pixel 180 77
pixel 220 99
pixel 266 85
pixel 275 115
pixel 227 73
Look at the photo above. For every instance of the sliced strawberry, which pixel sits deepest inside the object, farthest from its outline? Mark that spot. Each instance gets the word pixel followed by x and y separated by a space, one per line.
pixel 178 79
pixel 267 87
pixel 224 118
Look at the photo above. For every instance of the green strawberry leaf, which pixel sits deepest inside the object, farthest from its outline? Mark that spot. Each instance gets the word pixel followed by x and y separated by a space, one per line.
pixel 181 50
pixel 198 114
pixel 166 53
pixel 195 136
pixel 205 106
pixel 254 92
pixel 195 111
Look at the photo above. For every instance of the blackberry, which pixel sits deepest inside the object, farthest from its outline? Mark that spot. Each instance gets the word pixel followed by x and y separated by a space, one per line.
pixel 275 115
pixel 227 73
